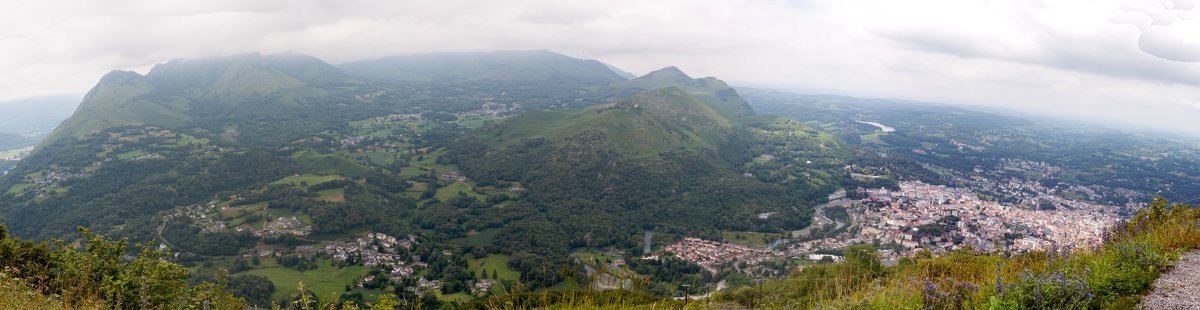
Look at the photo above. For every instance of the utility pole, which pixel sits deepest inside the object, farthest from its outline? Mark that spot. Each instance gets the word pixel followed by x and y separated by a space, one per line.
pixel 686 294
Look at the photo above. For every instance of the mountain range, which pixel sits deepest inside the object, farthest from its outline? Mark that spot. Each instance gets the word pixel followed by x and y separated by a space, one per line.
pixel 184 134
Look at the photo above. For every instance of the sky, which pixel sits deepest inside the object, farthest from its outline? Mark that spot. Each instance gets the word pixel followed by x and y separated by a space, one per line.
pixel 1133 63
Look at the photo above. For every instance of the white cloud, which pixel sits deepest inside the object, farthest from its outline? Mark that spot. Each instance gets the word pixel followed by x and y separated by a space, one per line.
pixel 1111 60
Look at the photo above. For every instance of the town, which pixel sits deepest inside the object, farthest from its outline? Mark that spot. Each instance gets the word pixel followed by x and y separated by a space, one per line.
pixel 921 216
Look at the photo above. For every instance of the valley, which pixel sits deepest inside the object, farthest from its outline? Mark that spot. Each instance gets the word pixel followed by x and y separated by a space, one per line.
pixel 465 188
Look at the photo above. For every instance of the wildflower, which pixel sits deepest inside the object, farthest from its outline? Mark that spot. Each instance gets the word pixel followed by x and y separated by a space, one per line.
pixel 1037 291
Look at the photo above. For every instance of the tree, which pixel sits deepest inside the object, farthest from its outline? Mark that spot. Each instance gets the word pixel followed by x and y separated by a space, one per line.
pixel 429 301
pixel 864 258
pixel 239 265
pixel 386 302
pixel 255 289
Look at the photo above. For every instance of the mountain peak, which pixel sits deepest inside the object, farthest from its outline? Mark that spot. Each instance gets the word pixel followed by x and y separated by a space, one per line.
pixel 119 77
pixel 668 74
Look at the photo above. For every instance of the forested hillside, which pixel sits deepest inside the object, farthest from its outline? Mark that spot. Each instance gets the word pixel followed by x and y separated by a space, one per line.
pixel 276 157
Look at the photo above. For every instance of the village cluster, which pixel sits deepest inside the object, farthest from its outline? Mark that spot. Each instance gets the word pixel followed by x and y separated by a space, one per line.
pixel 712 254
pixel 894 218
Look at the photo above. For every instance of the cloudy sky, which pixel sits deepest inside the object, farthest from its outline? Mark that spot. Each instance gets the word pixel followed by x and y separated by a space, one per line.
pixel 1122 61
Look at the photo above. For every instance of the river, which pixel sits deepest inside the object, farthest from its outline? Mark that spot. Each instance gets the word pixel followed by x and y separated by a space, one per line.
pixel 882 127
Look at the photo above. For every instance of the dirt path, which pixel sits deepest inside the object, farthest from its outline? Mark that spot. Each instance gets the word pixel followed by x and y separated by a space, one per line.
pixel 1178 288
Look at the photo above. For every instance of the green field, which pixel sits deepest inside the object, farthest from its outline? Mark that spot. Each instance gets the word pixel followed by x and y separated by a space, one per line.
pixel 460 297
pixel 131 155
pixel 417 190
pixel 234 212
pixel 306 180
pixel 278 213
pixel 453 189
pixel 418 186
pixel 746 238
pixel 186 139
pixel 324 280
pixel 329 164
pixel 333 194
pixel 426 162
pixel 594 258
pixel 872 138
pixel 380 158
pixel 20 187
pixel 485 237
pixel 14 154
pixel 493 262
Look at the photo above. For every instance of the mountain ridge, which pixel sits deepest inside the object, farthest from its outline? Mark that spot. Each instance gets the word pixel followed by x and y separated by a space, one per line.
pixel 496 66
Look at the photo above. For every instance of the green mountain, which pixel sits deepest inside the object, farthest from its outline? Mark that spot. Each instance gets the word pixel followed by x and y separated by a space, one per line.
pixel 718 95
pixel 518 158
pixel 672 157
pixel 646 124
pixel 246 91
pixel 188 129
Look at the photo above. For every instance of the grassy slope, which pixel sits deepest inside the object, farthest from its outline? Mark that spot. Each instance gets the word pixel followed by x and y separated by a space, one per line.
pixel 454 189
pixel 324 280
pixel 310 179
pixel 317 162
pixel 497 263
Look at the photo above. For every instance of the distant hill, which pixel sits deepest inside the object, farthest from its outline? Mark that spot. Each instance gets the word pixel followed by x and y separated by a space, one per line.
pixel 10 141
pixel 35 117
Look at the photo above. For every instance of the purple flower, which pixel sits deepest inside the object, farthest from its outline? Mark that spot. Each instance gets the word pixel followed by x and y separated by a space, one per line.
pixel 1037 291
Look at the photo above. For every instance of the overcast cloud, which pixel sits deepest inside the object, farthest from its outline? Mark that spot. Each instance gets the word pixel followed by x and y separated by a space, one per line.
pixel 1125 61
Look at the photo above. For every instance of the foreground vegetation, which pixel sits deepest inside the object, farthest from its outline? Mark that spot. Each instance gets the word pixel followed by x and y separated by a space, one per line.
pixel 97 273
